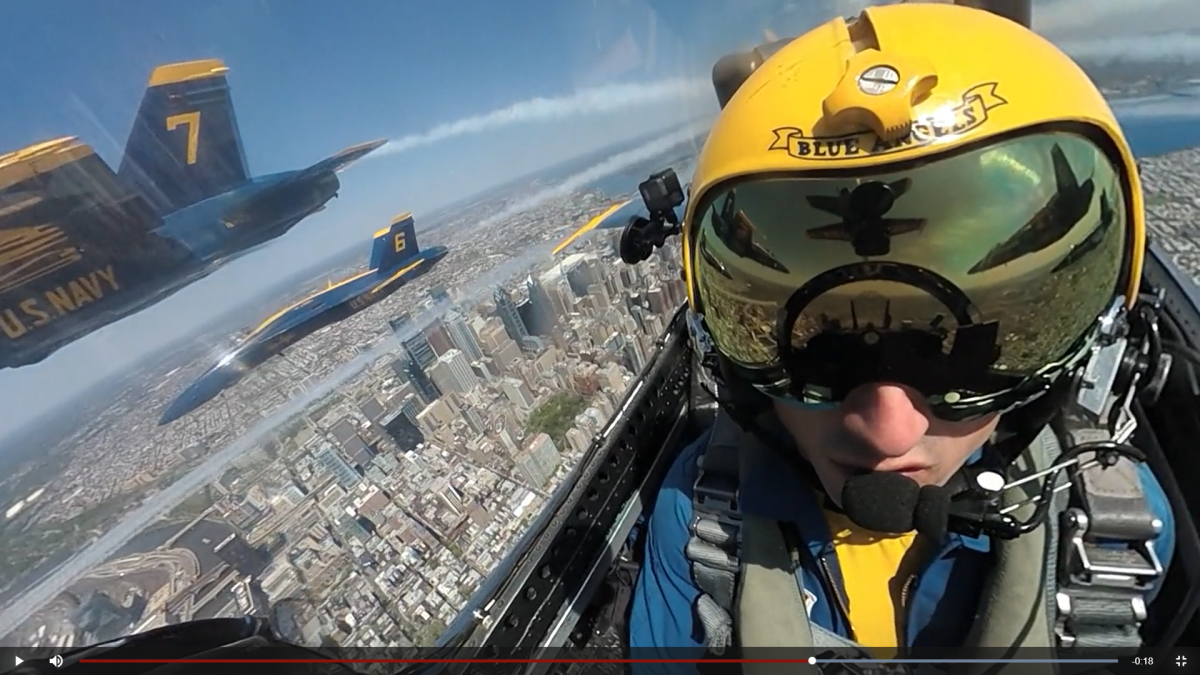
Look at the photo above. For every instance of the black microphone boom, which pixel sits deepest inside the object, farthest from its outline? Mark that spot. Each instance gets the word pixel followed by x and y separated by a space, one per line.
pixel 892 503
pixel 882 502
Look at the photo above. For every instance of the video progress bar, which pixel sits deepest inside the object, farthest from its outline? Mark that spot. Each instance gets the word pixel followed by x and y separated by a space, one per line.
pixel 810 660
pixel 815 660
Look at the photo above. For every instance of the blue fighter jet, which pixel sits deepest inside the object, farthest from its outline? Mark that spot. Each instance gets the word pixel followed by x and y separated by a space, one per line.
pixel 396 259
pixel 82 247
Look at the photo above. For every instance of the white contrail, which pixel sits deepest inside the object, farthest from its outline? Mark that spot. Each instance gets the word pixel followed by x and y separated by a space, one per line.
pixel 590 101
pixel 1159 105
pixel 1083 17
pixel 160 504
pixel 1184 47
pixel 617 162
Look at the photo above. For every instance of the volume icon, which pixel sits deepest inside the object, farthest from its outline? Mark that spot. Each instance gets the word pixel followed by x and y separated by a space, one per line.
pixel 56 660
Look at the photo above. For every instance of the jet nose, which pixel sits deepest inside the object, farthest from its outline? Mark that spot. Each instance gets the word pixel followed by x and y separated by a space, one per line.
pixel 180 406
pixel 198 393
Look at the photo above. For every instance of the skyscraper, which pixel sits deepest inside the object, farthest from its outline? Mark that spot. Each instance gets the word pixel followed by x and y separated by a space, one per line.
pixel 416 344
pixel 411 406
pixel 439 338
pixel 506 309
pixel 474 419
pixel 341 470
pixel 538 460
pixel 438 294
pixel 400 368
pixel 421 382
pixel 461 335
pixel 452 372
pixel 419 349
pixel 399 322
pixel 541 308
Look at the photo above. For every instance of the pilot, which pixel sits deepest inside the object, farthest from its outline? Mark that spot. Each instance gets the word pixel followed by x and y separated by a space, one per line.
pixel 863 387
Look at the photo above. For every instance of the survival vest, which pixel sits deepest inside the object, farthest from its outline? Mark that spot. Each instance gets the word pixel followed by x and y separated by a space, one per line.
pixel 1054 588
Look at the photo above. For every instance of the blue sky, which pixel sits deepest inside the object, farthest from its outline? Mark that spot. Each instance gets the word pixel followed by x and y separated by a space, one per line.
pixel 310 77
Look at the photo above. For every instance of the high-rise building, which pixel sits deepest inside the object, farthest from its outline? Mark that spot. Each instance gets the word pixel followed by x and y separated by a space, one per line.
pixel 474 419
pixel 452 371
pixel 639 317
pixel 419 349
pixel 541 308
pixel 421 382
pixel 439 338
pixel 633 356
pixel 506 309
pixel 240 555
pixel 400 322
pixel 657 298
pixel 438 294
pixel 627 276
pixel 339 468
pixel 461 336
pixel 538 460
pixel 403 430
pixel 517 392
pixel 400 368
pixel 372 409
pixel 411 406
pixel 581 275
pixel 599 295
pixel 678 293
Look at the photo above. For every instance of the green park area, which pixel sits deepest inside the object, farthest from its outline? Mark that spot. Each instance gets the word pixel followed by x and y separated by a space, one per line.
pixel 556 416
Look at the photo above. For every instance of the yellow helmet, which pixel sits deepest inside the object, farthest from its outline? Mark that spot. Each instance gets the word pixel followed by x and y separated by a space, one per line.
pixel 928 194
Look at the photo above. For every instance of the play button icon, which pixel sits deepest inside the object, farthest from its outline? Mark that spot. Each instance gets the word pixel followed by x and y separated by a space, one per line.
pixel 19 660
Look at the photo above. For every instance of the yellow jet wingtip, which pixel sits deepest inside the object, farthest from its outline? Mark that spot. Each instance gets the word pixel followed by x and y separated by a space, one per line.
pixel 41 158
pixel 590 225
pixel 173 73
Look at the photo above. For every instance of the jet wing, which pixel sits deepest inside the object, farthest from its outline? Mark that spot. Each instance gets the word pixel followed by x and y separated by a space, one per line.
pixel 272 336
pixel 325 167
pixel 74 242
pixel 341 160
pixel 310 306
pixel 613 217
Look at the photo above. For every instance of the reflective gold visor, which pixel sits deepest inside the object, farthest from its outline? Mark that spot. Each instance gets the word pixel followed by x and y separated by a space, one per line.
pixel 1021 242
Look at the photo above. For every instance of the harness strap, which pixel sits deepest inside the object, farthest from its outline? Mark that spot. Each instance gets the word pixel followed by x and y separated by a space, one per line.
pixel 1095 572
pixel 1108 562
pixel 1014 614
pixel 716 530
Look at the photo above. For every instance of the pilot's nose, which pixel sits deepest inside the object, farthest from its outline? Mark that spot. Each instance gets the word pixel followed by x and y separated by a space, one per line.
pixel 887 419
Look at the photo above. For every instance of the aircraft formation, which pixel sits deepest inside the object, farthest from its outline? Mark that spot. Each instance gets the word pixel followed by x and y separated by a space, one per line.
pixel 82 247
pixel 396 259
pixel 547 584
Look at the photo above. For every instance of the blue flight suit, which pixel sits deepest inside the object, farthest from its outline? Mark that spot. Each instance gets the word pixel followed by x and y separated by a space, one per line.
pixel 941 605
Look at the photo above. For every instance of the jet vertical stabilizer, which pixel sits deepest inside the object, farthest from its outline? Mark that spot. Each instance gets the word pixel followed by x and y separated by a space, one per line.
pixel 185 145
pixel 395 246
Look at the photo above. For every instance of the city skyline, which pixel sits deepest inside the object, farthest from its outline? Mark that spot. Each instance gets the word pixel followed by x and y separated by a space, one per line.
pixel 589 285
pixel 385 465
pixel 308 81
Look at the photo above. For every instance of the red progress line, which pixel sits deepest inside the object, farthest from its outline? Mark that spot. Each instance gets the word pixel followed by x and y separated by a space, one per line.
pixel 479 661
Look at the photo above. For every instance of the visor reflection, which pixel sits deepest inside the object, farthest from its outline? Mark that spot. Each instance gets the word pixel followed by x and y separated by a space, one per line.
pixel 1030 230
